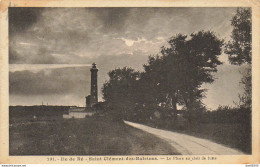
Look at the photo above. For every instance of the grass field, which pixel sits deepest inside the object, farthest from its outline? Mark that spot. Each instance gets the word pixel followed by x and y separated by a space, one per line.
pixel 90 136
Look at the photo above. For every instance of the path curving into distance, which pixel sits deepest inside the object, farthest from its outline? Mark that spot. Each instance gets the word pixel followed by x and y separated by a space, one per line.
pixel 188 145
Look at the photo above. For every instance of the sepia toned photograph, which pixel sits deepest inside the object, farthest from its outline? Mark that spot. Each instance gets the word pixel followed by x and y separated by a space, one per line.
pixel 130 81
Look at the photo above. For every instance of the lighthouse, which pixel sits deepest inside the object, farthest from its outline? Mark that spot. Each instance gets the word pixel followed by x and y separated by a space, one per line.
pixel 92 99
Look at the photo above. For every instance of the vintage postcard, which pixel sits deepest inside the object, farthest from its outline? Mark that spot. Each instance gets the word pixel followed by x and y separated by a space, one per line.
pixel 130 82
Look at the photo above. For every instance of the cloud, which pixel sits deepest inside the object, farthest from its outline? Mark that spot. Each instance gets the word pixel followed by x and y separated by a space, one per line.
pixel 112 20
pixel 14 56
pixel 64 81
pixel 22 18
pixel 72 80
pixel 40 67
pixel 82 33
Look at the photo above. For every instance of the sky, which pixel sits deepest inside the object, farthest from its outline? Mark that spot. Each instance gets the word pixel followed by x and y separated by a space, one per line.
pixel 51 49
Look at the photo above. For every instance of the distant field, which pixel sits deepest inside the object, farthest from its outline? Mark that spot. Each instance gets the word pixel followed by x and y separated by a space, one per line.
pixel 90 136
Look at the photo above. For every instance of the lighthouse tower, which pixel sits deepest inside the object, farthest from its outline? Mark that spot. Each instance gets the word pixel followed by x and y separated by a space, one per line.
pixel 93 91
pixel 92 99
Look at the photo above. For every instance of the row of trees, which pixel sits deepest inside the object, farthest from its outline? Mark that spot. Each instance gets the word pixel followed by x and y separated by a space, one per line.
pixel 175 76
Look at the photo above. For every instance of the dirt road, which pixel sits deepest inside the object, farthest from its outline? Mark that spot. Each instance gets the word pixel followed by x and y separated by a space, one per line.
pixel 188 145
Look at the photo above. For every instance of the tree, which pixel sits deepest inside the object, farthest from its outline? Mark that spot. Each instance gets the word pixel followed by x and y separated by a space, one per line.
pixel 239 50
pixel 246 97
pixel 239 47
pixel 199 61
pixel 173 77
pixel 183 67
pixel 119 91
pixel 158 83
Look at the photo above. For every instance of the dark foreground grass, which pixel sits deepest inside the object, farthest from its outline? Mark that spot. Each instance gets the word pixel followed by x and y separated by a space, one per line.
pixel 90 136
pixel 236 135
pixel 232 135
